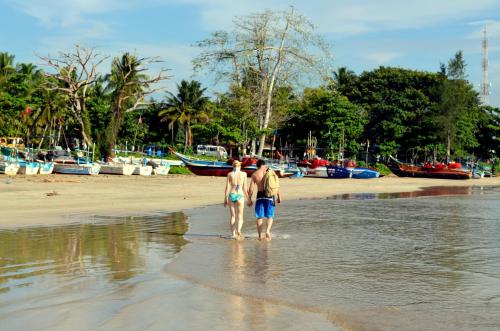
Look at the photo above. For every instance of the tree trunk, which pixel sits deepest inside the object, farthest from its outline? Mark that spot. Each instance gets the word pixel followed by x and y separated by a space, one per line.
pixel 43 136
pixel 185 138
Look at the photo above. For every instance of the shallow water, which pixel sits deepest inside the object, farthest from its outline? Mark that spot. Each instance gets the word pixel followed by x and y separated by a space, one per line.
pixel 421 261
pixel 368 262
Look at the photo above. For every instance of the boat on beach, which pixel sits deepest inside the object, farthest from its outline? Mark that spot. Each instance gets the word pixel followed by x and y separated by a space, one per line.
pixel 46 168
pixel 113 168
pixel 9 168
pixel 28 168
pixel 221 169
pixel 77 169
pixel 142 170
pixel 441 171
pixel 347 169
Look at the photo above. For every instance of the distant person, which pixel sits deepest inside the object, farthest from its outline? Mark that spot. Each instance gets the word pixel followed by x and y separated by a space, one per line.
pixel 265 201
pixel 234 195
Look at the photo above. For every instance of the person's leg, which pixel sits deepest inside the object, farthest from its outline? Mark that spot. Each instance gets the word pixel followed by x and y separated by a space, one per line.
pixel 259 228
pixel 269 214
pixel 268 228
pixel 232 219
pixel 259 214
pixel 241 205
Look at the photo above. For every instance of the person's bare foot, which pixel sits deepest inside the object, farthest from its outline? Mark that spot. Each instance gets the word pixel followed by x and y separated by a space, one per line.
pixel 268 236
pixel 260 237
pixel 240 237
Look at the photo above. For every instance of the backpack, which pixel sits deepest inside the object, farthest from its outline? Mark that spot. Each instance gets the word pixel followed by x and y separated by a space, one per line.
pixel 271 183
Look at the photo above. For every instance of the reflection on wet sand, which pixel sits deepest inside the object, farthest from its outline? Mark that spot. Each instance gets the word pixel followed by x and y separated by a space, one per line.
pixel 109 247
pixel 427 192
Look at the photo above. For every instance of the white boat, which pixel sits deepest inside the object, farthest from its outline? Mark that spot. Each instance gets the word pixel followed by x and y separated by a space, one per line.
pixel 77 169
pixel 9 168
pixel 143 170
pixel 161 170
pixel 117 169
pixel 46 168
pixel 28 168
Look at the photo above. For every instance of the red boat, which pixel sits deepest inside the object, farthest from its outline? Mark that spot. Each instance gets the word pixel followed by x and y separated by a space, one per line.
pixel 440 170
pixel 221 169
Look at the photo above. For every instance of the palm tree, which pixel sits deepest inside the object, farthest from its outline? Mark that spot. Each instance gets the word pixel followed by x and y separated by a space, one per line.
pixel 6 66
pixel 343 78
pixel 187 107
pixel 125 82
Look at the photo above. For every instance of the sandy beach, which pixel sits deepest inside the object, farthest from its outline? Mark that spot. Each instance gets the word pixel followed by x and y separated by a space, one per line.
pixel 56 199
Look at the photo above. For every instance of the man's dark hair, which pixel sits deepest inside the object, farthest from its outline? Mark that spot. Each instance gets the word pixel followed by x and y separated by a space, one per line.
pixel 260 163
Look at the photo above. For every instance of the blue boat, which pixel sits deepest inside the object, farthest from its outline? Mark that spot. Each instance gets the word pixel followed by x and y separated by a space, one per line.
pixel 336 171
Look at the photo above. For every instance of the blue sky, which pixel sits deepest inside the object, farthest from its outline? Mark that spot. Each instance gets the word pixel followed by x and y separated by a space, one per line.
pixel 364 34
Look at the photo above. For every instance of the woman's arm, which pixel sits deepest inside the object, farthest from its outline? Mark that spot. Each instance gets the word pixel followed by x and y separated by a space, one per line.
pixel 245 185
pixel 228 187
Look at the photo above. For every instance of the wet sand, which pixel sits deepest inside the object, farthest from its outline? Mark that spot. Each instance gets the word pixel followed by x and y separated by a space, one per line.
pixel 171 295
pixel 57 199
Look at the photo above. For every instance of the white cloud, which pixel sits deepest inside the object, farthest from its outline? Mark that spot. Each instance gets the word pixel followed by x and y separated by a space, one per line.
pixel 337 16
pixel 381 58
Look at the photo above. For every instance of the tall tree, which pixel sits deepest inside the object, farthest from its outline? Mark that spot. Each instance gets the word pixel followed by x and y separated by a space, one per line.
pixel 188 106
pixel 274 47
pixel 128 86
pixel 75 73
pixel 458 101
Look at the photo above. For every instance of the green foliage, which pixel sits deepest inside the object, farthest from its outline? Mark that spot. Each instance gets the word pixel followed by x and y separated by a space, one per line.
pixel 330 117
pixel 395 99
pixel 175 170
pixel 185 108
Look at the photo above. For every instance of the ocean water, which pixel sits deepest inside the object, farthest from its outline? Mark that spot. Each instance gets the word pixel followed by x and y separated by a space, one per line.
pixel 425 260
pixel 412 261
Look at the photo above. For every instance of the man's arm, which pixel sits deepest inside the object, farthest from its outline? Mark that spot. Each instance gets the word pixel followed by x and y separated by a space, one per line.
pixel 250 190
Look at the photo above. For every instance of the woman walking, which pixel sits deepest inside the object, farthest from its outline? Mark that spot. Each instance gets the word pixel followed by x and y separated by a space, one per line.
pixel 234 195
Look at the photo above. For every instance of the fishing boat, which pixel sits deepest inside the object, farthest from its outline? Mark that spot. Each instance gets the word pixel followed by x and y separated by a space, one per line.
pixel 142 170
pixel 28 168
pixel 77 169
pixel 347 169
pixel 221 169
pixel 66 164
pixel 45 168
pixel 336 171
pixel 160 169
pixel 9 167
pixel 440 170
pixel 112 168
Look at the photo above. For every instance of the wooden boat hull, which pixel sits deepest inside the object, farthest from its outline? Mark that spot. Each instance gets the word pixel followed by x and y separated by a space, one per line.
pixel 407 170
pixel 77 169
pixel 46 168
pixel 117 169
pixel 9 168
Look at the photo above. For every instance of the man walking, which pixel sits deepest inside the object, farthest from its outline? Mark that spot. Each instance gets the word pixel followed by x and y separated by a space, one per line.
pixel 264 204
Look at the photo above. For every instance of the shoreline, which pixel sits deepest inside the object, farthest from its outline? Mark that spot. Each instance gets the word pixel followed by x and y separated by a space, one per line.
pixel 63 199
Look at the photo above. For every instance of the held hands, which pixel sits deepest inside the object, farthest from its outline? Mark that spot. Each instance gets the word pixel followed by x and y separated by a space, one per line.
pixel 250 203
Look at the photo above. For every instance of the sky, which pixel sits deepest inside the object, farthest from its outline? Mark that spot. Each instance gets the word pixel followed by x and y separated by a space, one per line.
pixel 363 34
